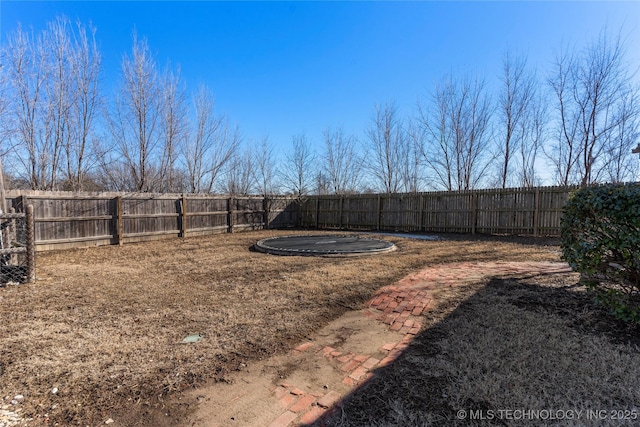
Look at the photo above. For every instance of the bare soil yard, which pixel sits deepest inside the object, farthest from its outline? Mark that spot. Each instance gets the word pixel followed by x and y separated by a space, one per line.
pixel 98 336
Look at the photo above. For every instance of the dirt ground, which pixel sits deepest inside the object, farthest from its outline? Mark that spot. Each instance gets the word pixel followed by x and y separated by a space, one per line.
pixel 248 399
pixel 98 337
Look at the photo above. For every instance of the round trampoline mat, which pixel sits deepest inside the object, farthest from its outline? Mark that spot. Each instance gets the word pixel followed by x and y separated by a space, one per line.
pixel 325 245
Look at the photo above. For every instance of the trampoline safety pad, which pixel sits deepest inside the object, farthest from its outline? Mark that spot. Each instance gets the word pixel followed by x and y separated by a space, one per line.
pixel 325 245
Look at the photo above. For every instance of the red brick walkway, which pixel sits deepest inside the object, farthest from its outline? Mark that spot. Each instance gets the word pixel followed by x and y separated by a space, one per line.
pixel 398 306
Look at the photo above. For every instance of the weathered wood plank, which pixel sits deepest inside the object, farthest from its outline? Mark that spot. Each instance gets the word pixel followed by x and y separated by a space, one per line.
pixel 527 211
pixel 66 220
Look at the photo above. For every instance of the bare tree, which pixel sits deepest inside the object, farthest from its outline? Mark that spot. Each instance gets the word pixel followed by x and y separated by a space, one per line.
pixel 173 128
pixel 592 92
pixel 532 133
pixel 322 184
pixel 200 139
pixel 56 42
pixel 388 145
pixel 299 169
pixel 134 120
pixel 52 82
pixel 85 77
pixel 25 57
pixel 239 174
pixel 564 153
pixel 514 104
pixel 227 143
pixel 3 137
pixel 5 122
pixel 411 167
pixel 622 140
pixel 210 146
pixel 439 149
pixel 113 175
pixel 456 133
pixel 342 165
pixel 264 168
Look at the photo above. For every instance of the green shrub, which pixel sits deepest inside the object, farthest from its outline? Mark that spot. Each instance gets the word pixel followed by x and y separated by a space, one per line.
pixel 600 234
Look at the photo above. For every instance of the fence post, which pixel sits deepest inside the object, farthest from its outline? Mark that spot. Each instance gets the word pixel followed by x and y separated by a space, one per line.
pixel 340 207
pixel 183 216
pixel 5 230
pixel 299 215
pixel 317 210
pixel 421 224
pixel 11 236
pixel 536 212
pixel 379 213
pixel 31 245
pixel 24 201
pixel 119 225
pixel 230 214
pixel 265 208
pixel 474 212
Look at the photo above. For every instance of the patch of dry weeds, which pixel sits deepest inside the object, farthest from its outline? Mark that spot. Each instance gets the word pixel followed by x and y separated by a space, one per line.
pixel 535 344
pixel 99 334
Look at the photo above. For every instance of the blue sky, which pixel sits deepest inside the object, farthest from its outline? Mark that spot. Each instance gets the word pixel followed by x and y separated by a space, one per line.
pixel 282 68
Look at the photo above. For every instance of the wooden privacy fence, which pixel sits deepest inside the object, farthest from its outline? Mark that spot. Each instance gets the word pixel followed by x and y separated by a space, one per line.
pixel 518 211
pixel 68 220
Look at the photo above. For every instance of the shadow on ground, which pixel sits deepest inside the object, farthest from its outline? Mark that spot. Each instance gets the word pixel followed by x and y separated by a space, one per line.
pixel 535 344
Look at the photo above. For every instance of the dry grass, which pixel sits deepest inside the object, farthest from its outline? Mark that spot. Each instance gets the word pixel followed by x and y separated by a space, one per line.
pixel 103 325
pixel 535 344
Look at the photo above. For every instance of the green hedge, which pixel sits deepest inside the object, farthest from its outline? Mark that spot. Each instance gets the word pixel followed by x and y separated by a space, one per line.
pixel 600 234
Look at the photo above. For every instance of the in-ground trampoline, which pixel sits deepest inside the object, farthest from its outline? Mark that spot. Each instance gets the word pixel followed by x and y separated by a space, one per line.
pixel 325 245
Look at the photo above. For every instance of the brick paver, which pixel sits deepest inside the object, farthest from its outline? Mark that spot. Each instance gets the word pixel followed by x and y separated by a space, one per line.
pixel 303 403
pixel 345 358
pixel 397 306
pixel 358 373
pixel 287 400
pixel 297 392
pixel 312 415
pixel 284 420
pixel 280 391
pixel 329 399
pixel 304 347
pixel 370 363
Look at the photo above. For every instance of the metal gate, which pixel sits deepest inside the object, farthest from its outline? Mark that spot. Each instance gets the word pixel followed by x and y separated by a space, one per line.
pixel 17 247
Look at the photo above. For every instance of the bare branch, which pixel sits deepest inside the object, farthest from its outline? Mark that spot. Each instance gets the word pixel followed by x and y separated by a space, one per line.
pixel 594 94
pixel 342 165
pixel 134 121
pixel 299 169
pixel 456 132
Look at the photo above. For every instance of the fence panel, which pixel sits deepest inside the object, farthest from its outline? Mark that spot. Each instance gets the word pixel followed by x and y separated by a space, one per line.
pixel 70 220
pixel 283 212
pixel 551 202
pixel 206 215
pixel 520 211
pixel 448 212
pixel 248 213
pixel 329 212
pixel 400 212
pixel 146 217
pixel 509 211
pixel 309 211
pixel 359 211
